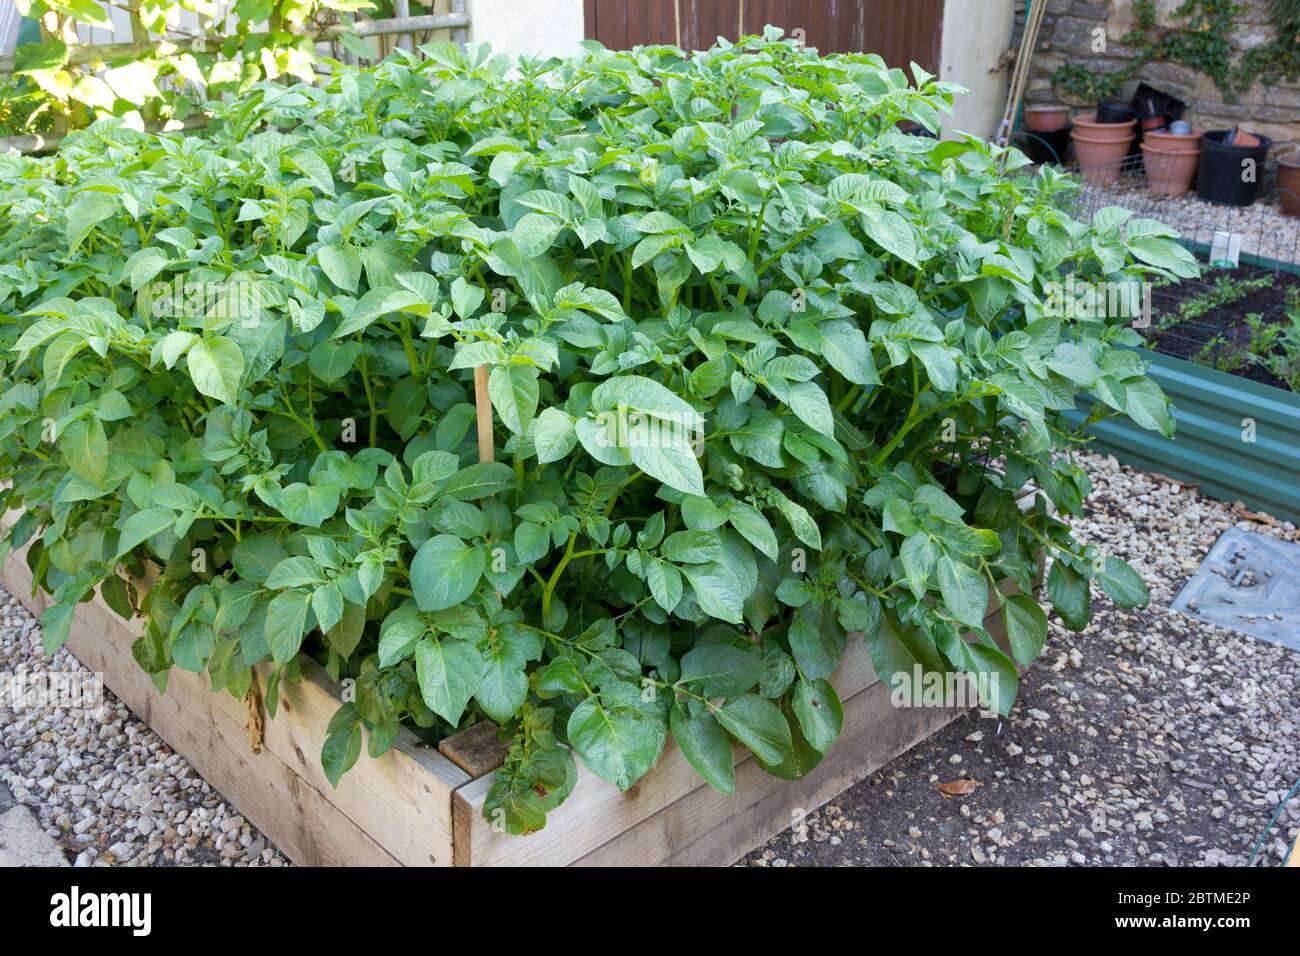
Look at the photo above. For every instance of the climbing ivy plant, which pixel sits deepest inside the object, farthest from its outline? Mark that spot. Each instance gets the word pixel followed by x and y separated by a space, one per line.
pixel 764 373
pixel 1201 41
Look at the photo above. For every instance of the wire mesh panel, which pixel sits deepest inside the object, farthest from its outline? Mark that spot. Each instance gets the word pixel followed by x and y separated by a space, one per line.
pixel 1242 315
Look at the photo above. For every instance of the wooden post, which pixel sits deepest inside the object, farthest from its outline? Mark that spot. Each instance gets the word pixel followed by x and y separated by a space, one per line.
pixel 483 404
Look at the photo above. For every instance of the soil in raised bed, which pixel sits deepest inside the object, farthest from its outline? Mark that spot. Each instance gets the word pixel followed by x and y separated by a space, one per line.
pixel 1220 336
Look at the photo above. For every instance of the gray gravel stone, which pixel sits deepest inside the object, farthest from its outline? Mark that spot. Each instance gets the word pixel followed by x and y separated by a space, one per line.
pixel 1151 739
pixel 106 790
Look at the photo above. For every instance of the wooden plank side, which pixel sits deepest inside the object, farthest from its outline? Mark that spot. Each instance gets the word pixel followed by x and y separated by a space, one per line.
pixel 296 817
pixel 705 828
pixel 597 812
pixel 402 800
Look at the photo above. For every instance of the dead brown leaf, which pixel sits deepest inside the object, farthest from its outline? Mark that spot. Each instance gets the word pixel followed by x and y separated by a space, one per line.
pixel 959 788
pixel 1159 476
pixel 1241 511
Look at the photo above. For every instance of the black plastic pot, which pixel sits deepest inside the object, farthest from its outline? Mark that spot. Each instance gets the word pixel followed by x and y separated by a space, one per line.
pixel 1148 108
pixel 1046 146
pixel 1114 111
pixel 1221 177
pixel 1161 103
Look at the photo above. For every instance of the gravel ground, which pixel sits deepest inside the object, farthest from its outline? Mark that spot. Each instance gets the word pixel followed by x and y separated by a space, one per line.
pixel 1264 230
pixel 102 783
pixel 1149 739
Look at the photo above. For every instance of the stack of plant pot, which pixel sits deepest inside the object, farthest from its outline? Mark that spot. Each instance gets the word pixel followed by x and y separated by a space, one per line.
pixel 1171 157
pixel 1232 164
pixel 1102 141
pixel 1288 181
pixel 1048 137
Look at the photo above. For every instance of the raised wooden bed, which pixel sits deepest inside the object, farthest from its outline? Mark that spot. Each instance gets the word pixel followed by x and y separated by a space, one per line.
pixel 392 811
pixel 416 806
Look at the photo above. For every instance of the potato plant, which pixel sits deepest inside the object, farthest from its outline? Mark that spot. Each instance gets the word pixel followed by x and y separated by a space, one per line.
pixel 764 371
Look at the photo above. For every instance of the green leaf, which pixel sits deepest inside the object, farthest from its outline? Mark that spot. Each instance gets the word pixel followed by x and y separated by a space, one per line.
pixel 674 465
pixel 641 394
pixel 691 547
pixel 513 390
pixel 33 57
pixel 330 360
pixel 142 526
pixel 87 211
pixel 56 625
pixel 445 572
pixel 894 234
pixel 810 404
pixel 309 505
pixel 722 670
pixel 846 349
pixel 85 446
pixel 341 264
pixel 479 481
pixel 554 436
pixel 759 725
pixel 897 653
pixel 964 590
pixel 1147 405
pixel 449 672
pixel 995 677
pixel 665 583
pixel 705 746
pixel 216 366
pixel 816 641
pixel 286 623
pixel 819 711
pixel 1070 596
pixel 718 589
pixel 754 527
pixel 1026 625
pixel 1074 363
pixel 617 742
pixel 399 634
pixel 342 744
pixel 504 685
pixel 1124 585
pixel 256 556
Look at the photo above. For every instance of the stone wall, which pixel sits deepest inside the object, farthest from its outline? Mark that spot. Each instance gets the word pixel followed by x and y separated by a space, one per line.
pixel 1067 36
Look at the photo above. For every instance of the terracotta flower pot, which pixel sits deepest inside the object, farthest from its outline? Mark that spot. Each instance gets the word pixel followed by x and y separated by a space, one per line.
pixel 1174 142
pixel 1044 119
pixel 1100 158
pixel 1107 132
pixel 1242 138
pixel 1169 173
pixel 1288 182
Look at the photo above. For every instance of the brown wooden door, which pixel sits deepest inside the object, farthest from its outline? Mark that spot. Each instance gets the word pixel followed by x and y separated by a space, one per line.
pixel 899 30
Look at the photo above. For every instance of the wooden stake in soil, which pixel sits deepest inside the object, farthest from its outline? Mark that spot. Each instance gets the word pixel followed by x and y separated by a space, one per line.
pixel 483 405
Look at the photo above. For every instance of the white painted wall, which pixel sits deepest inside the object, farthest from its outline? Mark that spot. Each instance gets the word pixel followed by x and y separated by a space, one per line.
pixel 975 35
pixel 541 27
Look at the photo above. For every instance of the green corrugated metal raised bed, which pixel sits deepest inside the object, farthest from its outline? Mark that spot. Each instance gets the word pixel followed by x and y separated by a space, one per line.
pixel 1210 447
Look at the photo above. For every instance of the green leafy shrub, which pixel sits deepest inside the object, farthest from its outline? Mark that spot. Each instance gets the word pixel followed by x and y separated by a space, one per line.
pixel 765 371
